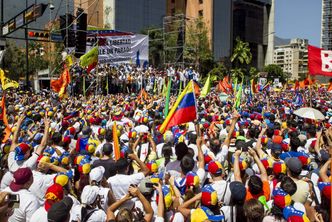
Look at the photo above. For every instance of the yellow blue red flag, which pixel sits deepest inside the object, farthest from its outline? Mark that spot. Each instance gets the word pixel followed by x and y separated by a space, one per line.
pixel 183 110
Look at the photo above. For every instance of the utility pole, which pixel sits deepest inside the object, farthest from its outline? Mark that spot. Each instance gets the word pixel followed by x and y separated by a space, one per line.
pixel 26 53
pixel 67 17
pixel 1 22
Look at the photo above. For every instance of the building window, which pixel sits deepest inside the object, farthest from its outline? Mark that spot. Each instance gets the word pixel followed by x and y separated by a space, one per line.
pixel 200 13
pixel 200 1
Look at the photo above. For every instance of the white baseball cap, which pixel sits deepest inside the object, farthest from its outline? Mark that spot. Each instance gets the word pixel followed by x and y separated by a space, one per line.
pixel 97 174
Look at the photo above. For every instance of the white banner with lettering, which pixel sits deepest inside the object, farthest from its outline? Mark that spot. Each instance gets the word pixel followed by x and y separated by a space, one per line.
pixel 120 49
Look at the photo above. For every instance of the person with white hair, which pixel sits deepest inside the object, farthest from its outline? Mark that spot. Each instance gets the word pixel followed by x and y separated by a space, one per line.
pixel 105 194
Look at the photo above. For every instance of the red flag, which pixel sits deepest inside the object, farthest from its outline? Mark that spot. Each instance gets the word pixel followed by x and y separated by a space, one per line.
pixel 60 85
pixel 302 84
pixel 296 85
pixel 220 87
pixel 91 67
pixel 319 61
pixel 225 86
pixel 143 95
pixel 197 90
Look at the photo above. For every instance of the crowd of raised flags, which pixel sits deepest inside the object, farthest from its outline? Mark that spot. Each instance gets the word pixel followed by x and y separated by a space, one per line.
pixel 176 150
pixel 218 151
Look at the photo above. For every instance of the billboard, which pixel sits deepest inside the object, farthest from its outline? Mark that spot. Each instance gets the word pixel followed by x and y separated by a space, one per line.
pixel 122 48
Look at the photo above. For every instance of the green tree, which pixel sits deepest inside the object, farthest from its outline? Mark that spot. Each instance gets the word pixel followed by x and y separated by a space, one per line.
pixel 274 71
pixel 240 59
pixel 241 54
pixel 14 61
pixel 198 50
pixel 37 57
pixel 217 73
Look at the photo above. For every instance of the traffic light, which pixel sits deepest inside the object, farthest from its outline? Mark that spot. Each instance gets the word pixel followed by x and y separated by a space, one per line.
pixel 80 32
pixel 67 25
pixel 39 34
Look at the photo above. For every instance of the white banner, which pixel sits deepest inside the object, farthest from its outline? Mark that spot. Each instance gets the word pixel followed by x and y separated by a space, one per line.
pixel 120 49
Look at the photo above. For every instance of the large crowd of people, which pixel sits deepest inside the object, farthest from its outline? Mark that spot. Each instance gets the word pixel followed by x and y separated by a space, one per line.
pixel 126 78
pixel 259 163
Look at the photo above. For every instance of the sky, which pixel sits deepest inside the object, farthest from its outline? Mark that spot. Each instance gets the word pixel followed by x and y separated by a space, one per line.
pixel 298 19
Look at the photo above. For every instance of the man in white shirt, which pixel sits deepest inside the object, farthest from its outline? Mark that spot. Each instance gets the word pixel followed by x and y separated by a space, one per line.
pixel 20 154
pixel 28 202
pixel 121 181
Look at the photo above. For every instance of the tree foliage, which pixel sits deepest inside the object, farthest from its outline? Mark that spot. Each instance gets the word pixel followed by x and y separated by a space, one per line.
pixel 274 71
pixel 218 72
pixel 240 59
pixel 198 49
pixel 14 61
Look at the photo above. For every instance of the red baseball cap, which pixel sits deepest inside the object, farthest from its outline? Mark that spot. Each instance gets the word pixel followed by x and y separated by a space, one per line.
pixel 21 177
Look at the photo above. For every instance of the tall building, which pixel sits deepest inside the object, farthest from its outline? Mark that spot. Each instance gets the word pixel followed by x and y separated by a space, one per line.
pixel 326 29
pixel 293 58
pixel 124 15
pixel 228 19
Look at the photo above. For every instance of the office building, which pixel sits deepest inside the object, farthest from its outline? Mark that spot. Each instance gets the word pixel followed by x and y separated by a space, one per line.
pixel 124 15
pixel 293 58
pixel 326 29
pixel 252 21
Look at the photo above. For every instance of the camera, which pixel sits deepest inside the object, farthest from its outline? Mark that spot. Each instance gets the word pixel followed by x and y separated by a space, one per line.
pixel 13 200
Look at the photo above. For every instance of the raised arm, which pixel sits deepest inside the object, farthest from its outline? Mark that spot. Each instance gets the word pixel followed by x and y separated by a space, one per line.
pixel 152 143
pixel 259 150
pixel 184 208
pixel 17 133
pixel 43 143
pixel 323 171
pixel 143 167
pixel 235 117
pixel 200 154
pixel 136 143
pixel 115 206
pixel 161 207
pixel 134 191
pixel 260 165
pixel 237 171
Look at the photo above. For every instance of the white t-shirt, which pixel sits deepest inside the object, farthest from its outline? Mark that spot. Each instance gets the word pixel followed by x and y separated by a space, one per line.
pixel 40 215
pixel 14 165
pixel 224 194
pixel 28 205
pixel 121 182
pixel 41 182
pixel 227 213
pixel 96 216
pixel 103 194
pixel 6 180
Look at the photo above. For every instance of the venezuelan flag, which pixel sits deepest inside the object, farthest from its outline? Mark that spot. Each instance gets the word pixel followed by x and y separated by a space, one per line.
pixel 183 111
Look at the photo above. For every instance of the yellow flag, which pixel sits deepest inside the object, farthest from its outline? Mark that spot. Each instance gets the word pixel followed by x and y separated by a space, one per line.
pixel 206 88
pixel 6 82
pixel 69 61
pixel 90 57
